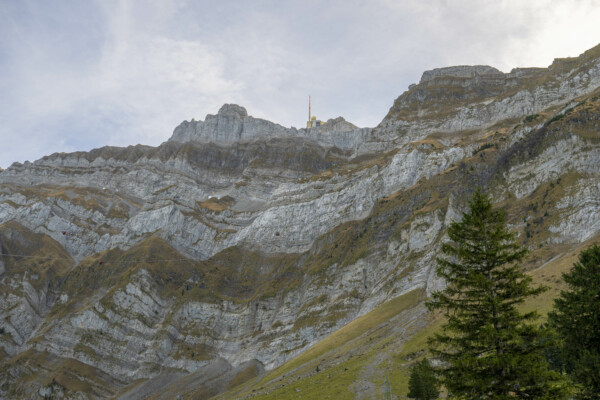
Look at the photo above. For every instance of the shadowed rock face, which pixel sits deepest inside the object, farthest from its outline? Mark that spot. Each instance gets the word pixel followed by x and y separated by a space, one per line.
pixel 239 239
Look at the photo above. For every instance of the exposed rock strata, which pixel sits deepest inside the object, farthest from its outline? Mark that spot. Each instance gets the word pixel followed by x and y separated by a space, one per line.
pixel 273 237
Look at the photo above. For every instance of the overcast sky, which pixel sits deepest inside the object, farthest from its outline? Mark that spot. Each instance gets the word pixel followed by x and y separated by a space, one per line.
pixel 75 75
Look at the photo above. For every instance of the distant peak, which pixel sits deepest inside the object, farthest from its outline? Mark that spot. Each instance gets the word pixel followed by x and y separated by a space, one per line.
pixel 461 71
pixel 233 110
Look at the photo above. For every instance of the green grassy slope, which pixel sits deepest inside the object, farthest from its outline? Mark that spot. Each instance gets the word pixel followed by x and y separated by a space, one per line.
pixel 384 342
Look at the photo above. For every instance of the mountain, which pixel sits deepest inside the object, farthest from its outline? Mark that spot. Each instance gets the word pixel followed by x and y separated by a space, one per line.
pixel 240 246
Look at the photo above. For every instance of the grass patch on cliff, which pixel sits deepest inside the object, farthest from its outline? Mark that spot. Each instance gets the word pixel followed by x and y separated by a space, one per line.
pixel 245 375
pixel 36 255
pixel 102 274
pixel 113 269
pixel 326 371
pixel 43 369
pixel 332 346
pixel 217 204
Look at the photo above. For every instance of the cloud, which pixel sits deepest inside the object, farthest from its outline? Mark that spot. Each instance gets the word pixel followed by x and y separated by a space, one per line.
pixel 78 75
pixel 135 91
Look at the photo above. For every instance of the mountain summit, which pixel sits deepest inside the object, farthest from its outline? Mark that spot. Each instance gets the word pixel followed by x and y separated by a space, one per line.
pixel 232 124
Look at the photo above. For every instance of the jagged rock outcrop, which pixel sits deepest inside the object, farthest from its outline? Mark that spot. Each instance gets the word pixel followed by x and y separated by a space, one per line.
pixel 338 124
pixel 241 241
pixel 459 99
pixel 231 125
pixel 460 71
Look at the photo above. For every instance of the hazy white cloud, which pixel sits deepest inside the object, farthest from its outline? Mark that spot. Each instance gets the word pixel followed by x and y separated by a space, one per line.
pixel 78 75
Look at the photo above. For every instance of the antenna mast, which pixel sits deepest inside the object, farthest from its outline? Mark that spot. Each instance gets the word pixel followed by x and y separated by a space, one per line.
pixel 309 107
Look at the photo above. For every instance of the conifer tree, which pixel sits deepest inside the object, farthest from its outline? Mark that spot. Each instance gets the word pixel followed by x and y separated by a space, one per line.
pixel 489 348
pixel 577 320
pixel 423 384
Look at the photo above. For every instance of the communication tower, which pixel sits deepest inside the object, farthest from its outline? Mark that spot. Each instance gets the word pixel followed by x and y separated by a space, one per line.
pixel 312 120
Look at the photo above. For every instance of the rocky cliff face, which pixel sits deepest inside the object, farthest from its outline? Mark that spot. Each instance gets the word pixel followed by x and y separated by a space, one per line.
pixel 458 99
pixel 239 240
pixel 232 125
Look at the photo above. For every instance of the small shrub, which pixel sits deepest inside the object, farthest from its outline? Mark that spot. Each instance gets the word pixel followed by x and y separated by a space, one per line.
pixel 557 117
pixel 531 117
pixel 485 146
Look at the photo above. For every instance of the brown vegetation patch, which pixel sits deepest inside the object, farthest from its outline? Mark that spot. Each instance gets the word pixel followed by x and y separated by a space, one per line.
pixel 217 204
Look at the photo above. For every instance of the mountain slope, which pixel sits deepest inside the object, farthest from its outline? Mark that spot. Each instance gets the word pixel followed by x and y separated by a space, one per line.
pixel 391 339
pixel 239 244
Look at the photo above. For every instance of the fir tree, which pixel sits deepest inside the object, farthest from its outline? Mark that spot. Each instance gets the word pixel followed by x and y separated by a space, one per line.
pixel 577 320
pixel 489 348
pixel 423 384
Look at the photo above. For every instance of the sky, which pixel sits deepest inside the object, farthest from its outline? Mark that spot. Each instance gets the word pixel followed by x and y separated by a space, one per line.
pixel 79 74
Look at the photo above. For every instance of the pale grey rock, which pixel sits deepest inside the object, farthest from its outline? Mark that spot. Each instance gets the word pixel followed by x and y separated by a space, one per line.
pixel 231 125
pixel 22 310
pixel 580 214
pixel 526 72
pixel 515 103
pixel 566 155
pixel 460 71
pixel 299 211
pixel 233 110
pixel 424 231
pixel 346 138
pixel 338 124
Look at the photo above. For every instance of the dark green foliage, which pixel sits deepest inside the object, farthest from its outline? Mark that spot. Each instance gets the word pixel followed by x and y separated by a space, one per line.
pixel 556 355
pixel 423 384
pixel 577 321
pixel 558 117
pixel 484 147
pixel 489 348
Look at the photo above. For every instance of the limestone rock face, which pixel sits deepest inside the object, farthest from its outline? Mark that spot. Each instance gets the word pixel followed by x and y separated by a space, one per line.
pixel 338 124
pixel 231 125
pixel 458 99
pixel 239 242
pixel 233 110
pixel 461 71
